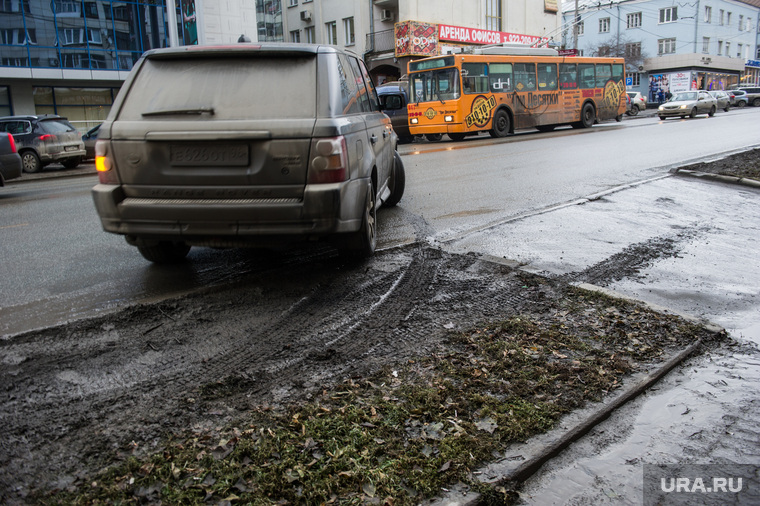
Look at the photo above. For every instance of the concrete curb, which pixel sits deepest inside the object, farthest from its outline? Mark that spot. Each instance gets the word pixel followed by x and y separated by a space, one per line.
pixel 88 170
pixel 512 470
pixel 752 183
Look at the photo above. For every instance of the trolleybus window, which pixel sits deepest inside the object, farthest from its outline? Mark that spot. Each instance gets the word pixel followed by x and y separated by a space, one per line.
pixel 603 74
pixel 438 85
pixel 547 76
pixel 475 77
pixel 586 74
pixel 618 72
pixel 500 76
pixel 568 79
pixel 525 76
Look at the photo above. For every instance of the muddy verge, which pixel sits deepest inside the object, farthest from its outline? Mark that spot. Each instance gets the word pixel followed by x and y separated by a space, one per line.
pixel 81 397
pixel 745 164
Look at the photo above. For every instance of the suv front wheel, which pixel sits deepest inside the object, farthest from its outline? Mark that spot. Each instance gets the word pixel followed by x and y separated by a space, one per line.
pixel 30 162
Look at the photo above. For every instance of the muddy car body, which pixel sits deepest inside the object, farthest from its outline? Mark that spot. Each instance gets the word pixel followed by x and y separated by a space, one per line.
pixel 256 144
pixel 42 140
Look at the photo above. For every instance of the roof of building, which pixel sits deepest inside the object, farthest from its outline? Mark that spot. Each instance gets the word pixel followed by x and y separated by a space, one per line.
pixel 569 5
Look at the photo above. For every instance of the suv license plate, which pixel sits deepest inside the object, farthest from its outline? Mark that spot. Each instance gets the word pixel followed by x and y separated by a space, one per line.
pixel 219 155
pixel 70 148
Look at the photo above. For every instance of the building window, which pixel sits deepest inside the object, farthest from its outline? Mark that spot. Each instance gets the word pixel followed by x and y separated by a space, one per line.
pixel 708 14
pixel 348 29
pixel 331 33
pixel 633 20
pixel 669 15
pixel 721 16
pixel 292 3
pixel 741 22
pixel 308 35
pixel 493 15
pixel 739 51
pixel 580 27
pixel 604 25
pixel 666 46
pixel 633 50
pixel 295 36
pixel 706 45
pixel 728 48
pixel 728 18
pixel 720 47
pixel 635 78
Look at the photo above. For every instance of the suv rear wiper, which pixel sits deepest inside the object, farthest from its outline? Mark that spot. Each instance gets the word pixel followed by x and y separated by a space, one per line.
pixel 172 112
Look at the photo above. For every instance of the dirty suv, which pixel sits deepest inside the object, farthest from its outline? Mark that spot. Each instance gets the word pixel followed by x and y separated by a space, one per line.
pixel 246 145
pixel 42 140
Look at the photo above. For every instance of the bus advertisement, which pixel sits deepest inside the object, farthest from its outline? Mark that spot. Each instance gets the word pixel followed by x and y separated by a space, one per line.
pixel 503 88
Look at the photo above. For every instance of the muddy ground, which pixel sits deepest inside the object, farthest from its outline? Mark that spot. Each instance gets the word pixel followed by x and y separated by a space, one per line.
pixel 80 397
pixel 745 164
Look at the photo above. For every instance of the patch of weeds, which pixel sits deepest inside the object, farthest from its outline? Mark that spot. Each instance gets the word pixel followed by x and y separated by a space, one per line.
pixel 400 436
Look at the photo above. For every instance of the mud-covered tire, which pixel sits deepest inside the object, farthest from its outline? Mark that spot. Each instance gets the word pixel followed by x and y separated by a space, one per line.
pixel 456 137
pixel 165 252
pixel 434 137
pixel 633 111
pixel 756 102
pixel 397 182
pixel 500 124
pixel 726 108
pixel 741 104
pixel 362 243
pixel 588 115
pixel 30 162
pixel 712 111
pixel 662 118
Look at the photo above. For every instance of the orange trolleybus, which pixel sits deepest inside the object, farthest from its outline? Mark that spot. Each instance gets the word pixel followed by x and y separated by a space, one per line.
pixel 502 88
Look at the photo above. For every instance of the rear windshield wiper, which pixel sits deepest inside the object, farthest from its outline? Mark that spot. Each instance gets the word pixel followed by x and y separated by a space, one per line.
pixel 172 112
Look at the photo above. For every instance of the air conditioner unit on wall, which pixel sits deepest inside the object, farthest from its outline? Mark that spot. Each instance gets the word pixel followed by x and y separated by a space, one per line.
pixel 386 15
pixel 305 15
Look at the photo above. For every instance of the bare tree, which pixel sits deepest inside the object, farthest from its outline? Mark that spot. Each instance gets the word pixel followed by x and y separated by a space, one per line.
pixel 620 47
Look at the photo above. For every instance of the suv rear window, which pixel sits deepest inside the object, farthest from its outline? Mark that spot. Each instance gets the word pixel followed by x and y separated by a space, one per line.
pixel 234 88
pixel 56 126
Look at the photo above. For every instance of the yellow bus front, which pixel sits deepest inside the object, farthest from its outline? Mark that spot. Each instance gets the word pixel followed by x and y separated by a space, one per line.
pixel 434 97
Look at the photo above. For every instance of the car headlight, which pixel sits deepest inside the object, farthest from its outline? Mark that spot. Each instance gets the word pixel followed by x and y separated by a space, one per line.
pixel 414 121
pixel 448 119
pixel 661 108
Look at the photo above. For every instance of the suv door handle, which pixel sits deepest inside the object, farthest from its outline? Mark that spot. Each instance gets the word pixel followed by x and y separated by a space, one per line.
pixel 373 138
pixel 385 134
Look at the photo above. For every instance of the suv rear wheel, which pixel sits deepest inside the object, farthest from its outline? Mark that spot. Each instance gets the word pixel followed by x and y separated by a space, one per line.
pixel 30 162
pixel 71 163
pixel 165 252
pixel 361 244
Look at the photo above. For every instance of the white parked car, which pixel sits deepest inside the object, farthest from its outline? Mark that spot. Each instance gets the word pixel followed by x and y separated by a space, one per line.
pixel 638 102
pixel 688 103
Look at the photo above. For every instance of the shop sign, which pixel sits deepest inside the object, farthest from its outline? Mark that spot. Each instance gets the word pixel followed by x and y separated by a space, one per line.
pixel 480 36
pixel 415 39
pixel 680 81
pixel 752 63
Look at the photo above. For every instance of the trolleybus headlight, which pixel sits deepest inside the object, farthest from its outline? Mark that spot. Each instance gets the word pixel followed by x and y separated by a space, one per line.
pixel 414 121
pixel 448 119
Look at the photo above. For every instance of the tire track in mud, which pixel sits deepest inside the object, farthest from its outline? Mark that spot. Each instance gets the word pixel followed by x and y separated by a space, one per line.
pixel 76 396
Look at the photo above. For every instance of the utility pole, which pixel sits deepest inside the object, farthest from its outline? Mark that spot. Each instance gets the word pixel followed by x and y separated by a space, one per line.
pixel 575 26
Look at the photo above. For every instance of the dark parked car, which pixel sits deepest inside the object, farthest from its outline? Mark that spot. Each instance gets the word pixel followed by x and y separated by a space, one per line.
pixel 738 98
pixel 89 140
pixel 205 162
pixel 10 161
pixel 42 140
pixel 393 101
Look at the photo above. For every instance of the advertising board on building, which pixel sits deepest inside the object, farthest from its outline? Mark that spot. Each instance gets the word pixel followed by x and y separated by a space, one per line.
pixel 416 39
pixel 680 81
pixel 467 35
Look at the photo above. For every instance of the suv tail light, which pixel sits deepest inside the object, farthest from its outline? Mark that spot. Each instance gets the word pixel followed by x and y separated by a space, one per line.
pixel 104 164
pixel 329 160
pixel 47 137
pixel 13 143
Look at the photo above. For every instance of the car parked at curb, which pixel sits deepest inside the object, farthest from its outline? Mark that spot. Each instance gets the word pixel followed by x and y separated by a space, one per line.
pixel 10 161
pixel 42 140
pixel 722 99
pixel 206 162
pixel 638 102
pixel 752 94
pixel 688 103
pixel 738 98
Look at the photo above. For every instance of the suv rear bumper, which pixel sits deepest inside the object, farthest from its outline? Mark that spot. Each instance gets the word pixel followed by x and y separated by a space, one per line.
pixel 324 209
pixel 61 155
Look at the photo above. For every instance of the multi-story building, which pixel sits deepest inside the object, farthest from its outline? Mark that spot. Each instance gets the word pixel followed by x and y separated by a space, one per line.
pixel 70 57
pixel 670 46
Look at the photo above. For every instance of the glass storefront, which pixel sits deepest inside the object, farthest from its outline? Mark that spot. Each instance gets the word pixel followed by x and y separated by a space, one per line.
pixel 5 101
pixel 80 34
pixel 84 107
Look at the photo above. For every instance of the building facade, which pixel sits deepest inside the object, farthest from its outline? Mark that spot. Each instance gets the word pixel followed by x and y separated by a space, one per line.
pixel 70 57
pixel 670 46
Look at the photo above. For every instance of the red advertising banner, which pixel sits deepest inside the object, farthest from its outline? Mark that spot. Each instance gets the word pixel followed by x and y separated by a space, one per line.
pixel 416 39
pixel 481 36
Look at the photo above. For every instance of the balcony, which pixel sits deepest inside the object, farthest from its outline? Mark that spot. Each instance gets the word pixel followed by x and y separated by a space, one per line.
pixel 381 42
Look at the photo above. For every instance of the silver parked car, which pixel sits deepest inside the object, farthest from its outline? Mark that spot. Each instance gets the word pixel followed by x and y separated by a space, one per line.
pixel 688 103
pixel 264 143
pixel 722 98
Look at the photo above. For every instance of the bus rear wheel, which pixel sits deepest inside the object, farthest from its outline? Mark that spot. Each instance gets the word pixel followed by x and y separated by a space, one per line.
pixel 587 117
pixel 500 124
